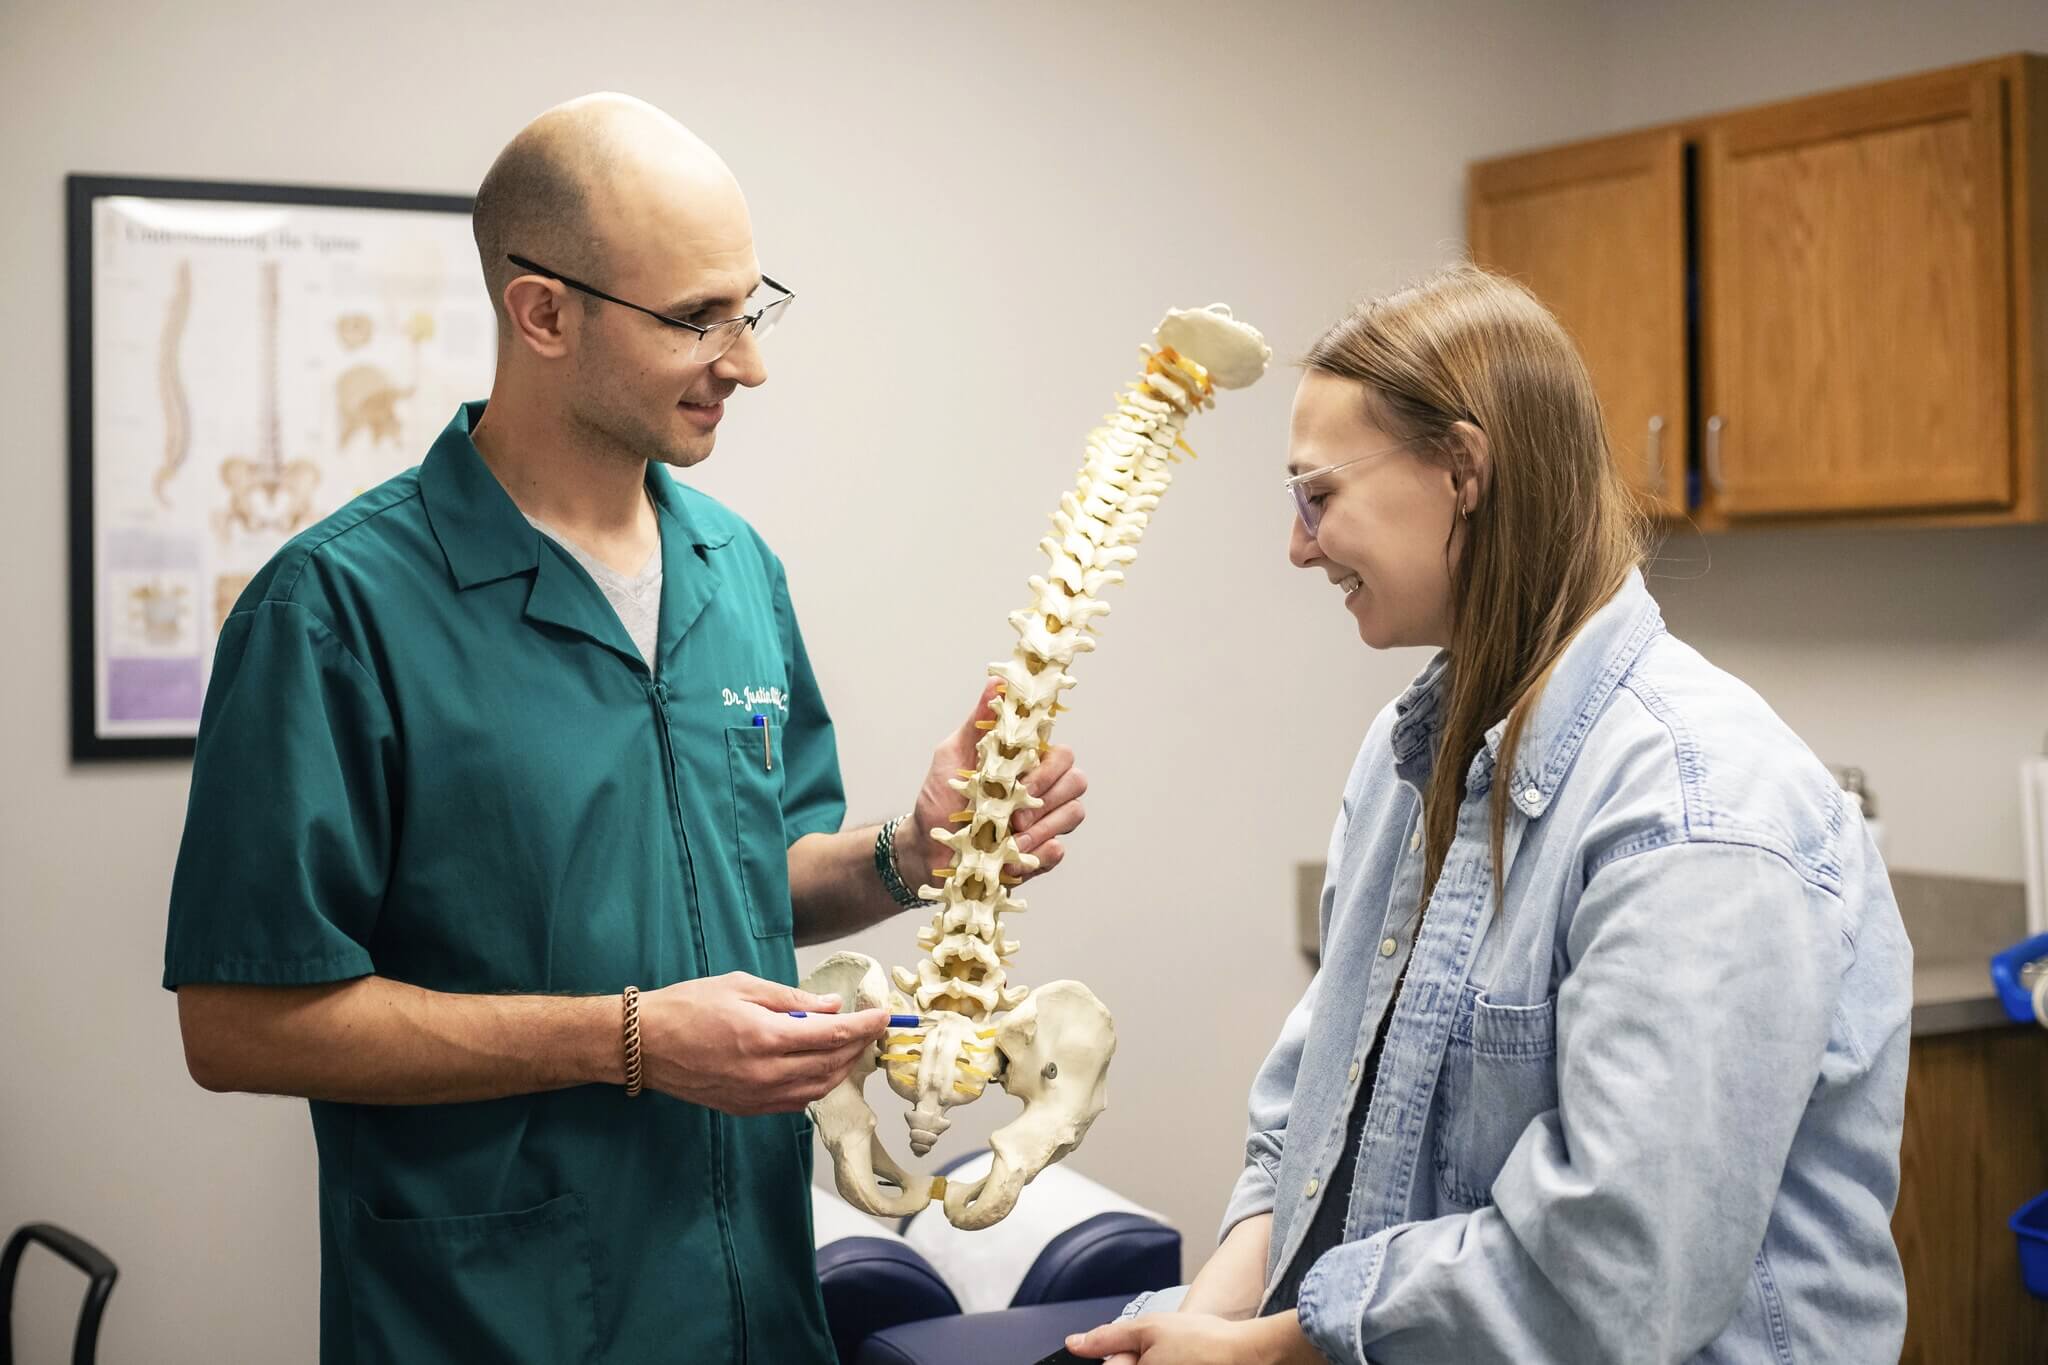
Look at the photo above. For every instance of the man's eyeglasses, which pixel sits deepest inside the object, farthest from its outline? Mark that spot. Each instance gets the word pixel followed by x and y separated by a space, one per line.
pixel 713 339
pixel 1308 504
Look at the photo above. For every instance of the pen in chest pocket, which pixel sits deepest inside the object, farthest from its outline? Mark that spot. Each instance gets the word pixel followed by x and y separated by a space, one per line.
pixel 767 745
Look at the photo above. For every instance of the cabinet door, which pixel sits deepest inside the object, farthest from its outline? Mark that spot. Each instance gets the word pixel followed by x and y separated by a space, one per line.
pixel 1975 1147
pixel 1597 231
pixel 1857 352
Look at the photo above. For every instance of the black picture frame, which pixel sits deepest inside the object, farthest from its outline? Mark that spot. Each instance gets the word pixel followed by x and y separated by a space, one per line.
pixel 81 191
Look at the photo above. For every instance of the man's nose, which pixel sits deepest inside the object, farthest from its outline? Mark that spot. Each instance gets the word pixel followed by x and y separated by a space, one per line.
pixel 743 364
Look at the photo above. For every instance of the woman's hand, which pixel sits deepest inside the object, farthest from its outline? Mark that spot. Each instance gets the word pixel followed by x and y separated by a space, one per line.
pixel 1198 1339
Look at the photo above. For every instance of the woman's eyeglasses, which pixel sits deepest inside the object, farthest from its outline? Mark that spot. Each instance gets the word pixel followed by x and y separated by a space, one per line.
pixel 1308 502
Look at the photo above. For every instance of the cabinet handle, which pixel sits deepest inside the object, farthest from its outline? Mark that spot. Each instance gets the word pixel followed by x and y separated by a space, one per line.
pixel 1655 452
pixel 1714 479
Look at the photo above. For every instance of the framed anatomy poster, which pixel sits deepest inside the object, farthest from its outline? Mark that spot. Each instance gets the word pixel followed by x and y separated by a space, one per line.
pixel 244 360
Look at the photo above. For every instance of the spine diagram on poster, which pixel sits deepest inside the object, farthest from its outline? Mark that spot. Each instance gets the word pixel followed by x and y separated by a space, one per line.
pixel 1049 1046
pixel 268 493
pixel 170 383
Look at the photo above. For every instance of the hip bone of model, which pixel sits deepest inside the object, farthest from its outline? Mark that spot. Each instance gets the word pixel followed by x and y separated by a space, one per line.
pixel 1050 1046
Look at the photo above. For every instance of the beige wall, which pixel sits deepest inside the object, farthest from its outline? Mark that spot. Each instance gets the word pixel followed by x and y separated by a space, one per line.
pixel 1025 180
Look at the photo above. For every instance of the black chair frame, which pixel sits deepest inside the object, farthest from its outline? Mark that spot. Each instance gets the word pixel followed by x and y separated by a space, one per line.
pixel 100 1271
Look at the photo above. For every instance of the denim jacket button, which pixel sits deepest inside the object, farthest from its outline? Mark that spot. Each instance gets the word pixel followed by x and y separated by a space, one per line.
pixel 1415 841
pixel 1388 947
pixel 1309 1190
pixel 1354 1072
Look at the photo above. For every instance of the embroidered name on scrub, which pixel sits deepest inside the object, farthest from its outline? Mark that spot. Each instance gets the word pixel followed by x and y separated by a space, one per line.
pixel 757 696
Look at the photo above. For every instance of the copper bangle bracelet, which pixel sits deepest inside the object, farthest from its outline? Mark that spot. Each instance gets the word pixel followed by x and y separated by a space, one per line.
pixel 632 1040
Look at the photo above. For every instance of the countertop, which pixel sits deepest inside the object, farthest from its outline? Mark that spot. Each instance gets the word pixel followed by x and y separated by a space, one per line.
pixel 1956 924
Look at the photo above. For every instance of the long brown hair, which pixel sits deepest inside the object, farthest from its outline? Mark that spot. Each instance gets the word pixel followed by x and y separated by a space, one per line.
pixel 1553 538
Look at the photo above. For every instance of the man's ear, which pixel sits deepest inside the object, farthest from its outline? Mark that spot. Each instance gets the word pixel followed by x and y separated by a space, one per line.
pixel 1474 466
pixel 541 319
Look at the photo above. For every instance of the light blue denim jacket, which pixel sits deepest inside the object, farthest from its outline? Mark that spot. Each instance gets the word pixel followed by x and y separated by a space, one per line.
pixel 1652 1111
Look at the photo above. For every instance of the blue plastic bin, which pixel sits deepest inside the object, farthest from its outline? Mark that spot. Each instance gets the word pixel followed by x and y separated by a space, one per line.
pixel 2030 1225
pixel 2030 1222
pixel 2005 977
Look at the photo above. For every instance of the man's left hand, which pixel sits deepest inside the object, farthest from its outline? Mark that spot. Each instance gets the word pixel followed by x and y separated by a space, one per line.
pixel 1055 780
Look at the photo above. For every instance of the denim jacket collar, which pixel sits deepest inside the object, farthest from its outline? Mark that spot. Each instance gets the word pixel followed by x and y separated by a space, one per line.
pixel 1593 664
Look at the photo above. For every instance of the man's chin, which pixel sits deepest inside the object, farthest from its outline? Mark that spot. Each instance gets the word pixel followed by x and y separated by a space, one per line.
pixel 685 453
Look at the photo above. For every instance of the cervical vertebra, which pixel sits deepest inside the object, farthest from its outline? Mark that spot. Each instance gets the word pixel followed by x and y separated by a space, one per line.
pixel 1049 1047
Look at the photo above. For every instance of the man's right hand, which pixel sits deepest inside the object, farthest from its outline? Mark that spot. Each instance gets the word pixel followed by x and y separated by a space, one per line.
pixel 727 1042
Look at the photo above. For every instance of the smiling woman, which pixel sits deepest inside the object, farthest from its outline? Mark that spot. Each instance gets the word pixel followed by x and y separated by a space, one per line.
pixel 1605 1059
pixel 1489 451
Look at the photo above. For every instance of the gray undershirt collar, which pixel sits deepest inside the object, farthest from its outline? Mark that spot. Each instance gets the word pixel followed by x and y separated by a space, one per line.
pixel 635 597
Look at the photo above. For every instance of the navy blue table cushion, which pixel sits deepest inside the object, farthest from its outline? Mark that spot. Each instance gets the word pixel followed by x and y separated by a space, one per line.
pixel 1015 1336
pixel 871 1283
pixel 1111 1253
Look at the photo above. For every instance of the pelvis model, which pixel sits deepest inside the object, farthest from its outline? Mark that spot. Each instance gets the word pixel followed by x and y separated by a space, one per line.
pixel 1049 1046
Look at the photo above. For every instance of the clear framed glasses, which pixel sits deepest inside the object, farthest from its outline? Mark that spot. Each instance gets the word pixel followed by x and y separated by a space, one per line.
pixel 1308 502
pixel 713 339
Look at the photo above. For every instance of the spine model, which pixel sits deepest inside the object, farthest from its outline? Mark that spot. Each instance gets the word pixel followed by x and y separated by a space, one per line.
pixel 1095 537
pixel 1050 1046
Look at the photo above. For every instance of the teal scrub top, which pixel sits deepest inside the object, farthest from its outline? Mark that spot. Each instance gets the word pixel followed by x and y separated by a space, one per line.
pixel 430 751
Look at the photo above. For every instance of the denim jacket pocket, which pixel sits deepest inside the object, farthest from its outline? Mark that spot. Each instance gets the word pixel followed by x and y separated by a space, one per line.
pixel 1500 1073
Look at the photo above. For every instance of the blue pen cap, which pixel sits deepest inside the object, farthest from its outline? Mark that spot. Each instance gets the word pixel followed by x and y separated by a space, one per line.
pixel 895 1020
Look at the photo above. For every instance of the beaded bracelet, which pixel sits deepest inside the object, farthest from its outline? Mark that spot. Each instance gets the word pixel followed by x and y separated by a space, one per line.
pixel 886 866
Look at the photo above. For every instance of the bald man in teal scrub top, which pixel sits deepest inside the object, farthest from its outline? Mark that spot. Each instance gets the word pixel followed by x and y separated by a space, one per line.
pixel 521 728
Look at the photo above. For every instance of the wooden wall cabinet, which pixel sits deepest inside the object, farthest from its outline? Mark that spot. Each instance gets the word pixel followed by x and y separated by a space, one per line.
pixel 1834 307
pixel 1598 232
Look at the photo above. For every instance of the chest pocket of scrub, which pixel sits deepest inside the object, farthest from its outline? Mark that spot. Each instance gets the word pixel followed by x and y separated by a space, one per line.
pixel 753 758
pixel 1500 1072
